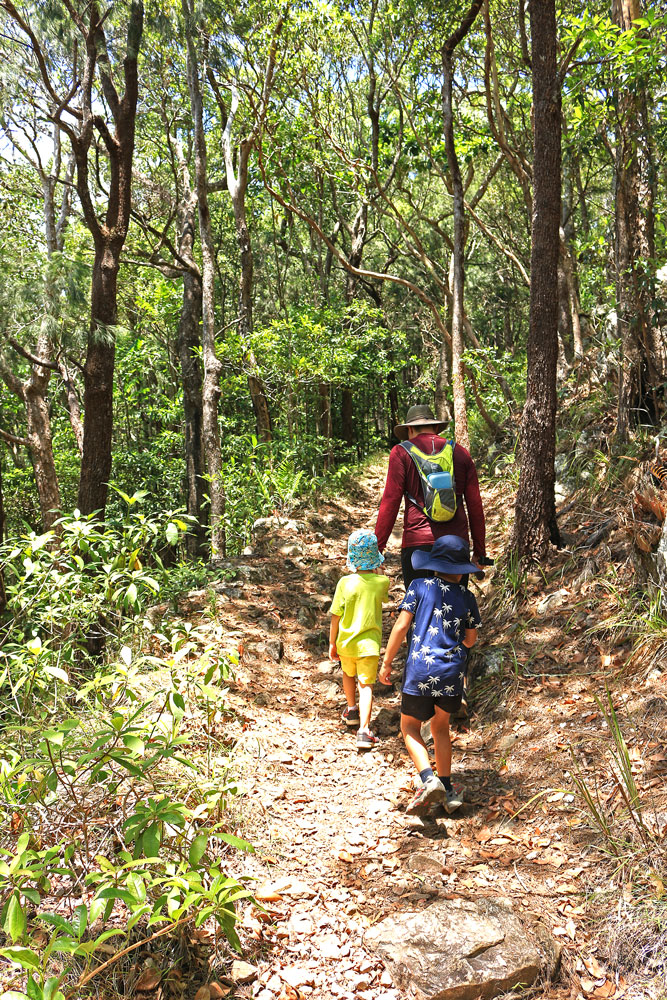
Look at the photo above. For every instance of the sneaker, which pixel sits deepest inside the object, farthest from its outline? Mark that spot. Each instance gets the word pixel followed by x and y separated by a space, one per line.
pixel 351 716
pixel 366 740
pixel 453 800
pixel 433 791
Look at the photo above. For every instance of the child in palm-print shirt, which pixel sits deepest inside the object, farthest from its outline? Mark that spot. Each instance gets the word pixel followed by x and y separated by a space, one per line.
pixel 444 617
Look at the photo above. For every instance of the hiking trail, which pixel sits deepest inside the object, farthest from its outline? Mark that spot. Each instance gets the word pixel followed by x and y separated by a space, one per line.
pixel 335 851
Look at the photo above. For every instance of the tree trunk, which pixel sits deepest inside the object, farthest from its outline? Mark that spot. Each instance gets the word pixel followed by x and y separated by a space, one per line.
pixel 212 365
pixel 564 317
pixel 39 433
pixel 73 407
pixel 189 342
pixel 109 238
pixel 324 421
pixel 535 513
pixel 457 270
pixel 642 355
pixel 347 417
pixel 98 384
pixel 189 345
pixel 260 403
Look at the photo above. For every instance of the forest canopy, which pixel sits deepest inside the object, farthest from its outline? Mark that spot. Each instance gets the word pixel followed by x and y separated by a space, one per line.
pixel 242 239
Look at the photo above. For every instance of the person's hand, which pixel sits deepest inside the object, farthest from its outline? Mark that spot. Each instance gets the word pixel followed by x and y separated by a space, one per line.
pixel 384 675
pixel 333 652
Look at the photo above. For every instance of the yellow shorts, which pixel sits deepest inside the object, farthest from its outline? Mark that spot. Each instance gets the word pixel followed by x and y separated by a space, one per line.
pixel 364 668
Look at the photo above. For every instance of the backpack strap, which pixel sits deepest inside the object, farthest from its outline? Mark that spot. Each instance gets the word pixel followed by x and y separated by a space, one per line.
pixel 408 447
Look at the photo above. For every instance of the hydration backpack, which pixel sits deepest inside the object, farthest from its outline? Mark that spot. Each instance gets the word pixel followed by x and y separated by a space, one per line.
pixel 436 473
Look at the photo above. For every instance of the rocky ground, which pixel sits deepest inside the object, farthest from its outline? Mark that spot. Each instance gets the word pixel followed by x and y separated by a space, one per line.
pixel 335 852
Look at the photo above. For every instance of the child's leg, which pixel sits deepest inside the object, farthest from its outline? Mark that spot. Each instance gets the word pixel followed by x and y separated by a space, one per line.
pixel 367 671
pixel 411 730
pixel 442 743
pixel 350 689
pixel 365 704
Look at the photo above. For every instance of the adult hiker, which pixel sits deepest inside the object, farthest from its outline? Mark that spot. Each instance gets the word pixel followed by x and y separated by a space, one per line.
pixel 418 471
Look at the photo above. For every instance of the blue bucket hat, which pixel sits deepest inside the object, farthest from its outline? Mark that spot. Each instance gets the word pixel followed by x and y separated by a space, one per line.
pixel 362 551
pixel 450 554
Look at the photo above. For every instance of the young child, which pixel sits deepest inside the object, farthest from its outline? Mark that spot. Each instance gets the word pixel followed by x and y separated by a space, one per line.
pixel 356 630
pixel 446 619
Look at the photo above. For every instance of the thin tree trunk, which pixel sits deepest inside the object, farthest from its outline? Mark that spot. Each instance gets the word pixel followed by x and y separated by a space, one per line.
pixel 39 432
pixel 535 513
pixel 324 421
pixel 189 342
pixel 458 272
pixel 256 387
pixel 212 365
pixel 73 406
pixel 188 346
pixel 642 361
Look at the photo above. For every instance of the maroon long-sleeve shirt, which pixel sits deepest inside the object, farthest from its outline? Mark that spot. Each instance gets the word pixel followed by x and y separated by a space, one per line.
pixel 403 478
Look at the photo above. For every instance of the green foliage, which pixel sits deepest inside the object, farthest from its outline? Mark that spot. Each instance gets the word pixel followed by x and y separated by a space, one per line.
pixel 70 591
pixel 632 838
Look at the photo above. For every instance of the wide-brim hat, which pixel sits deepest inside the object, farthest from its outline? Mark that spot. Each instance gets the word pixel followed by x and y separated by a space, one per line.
pixel 418 416
pixel 450 554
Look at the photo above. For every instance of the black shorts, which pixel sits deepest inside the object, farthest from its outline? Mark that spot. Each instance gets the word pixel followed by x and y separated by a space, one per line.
pixel 422 707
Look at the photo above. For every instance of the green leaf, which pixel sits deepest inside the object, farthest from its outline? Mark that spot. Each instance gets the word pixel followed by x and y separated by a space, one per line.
pixel 56 920
pixel 15 922
pixel 242 845
pixel 172 533
pixel 197 849
pixel 24 957
pixel 22 844
pixel 134 743
pixel 51 991
pixel 56 672
pixel 131 594
pixel 82 913
pixel 150 841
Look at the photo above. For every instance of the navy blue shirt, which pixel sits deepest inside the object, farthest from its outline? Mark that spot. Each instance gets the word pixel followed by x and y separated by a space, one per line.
pixel 436 663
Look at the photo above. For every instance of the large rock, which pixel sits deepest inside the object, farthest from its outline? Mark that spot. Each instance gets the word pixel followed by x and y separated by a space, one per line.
pixel 462 950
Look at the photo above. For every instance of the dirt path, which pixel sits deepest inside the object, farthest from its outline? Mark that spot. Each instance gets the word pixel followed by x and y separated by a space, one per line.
pixel 334 849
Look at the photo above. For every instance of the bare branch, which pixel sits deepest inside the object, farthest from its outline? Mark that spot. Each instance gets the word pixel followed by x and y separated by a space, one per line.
pixel 13 439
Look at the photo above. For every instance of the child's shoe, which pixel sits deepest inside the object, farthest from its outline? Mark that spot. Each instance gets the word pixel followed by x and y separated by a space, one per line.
pixel 453 800
pixel 351 716
pixel 366 740
pixel 431 792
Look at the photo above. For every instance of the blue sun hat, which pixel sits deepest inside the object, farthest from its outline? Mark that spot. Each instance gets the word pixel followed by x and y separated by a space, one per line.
pixel 450 554
pixel 362 551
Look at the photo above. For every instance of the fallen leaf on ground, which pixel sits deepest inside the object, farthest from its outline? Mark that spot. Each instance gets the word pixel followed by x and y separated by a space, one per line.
pixel 148 980
pixel 346 857
pixel 594 967
pixel 267 893
pixel 243 972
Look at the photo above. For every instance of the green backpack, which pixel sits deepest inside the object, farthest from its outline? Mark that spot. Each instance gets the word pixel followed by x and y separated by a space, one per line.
pixel 437 478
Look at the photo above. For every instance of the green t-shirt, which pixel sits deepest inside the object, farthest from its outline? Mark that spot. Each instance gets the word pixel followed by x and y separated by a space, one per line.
pixel 358 602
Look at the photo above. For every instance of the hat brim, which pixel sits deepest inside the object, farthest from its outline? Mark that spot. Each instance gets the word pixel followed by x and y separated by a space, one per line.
pixel 401 430
pixel 352 566
pixel 426 560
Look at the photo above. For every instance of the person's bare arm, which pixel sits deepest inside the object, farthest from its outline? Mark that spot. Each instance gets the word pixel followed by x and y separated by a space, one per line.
pixel 398 634
pixel 333 635
pixel 470 638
